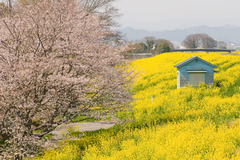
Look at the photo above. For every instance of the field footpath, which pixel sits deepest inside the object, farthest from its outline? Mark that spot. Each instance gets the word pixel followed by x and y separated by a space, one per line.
pixel 60 132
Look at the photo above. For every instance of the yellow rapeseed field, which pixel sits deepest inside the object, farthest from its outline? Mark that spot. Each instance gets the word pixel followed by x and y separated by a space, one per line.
pixel 169 123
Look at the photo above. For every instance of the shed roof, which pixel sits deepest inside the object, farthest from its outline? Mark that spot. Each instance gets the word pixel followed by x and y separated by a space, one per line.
pixel 192 59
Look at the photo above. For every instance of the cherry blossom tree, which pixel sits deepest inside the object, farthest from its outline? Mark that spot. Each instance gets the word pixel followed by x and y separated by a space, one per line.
pixel 55 62
pixel 103 7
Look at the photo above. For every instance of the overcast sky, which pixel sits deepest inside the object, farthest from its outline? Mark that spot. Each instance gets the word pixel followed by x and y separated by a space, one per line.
pixel 176 14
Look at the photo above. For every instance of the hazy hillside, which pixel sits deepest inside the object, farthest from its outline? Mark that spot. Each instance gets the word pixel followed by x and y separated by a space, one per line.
pixel 229 34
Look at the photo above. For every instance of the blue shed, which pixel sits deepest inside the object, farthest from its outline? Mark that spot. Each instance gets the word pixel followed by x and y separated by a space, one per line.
pixel 194 71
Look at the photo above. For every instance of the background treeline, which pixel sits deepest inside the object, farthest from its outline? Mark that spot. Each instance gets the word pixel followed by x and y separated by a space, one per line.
pixel 157 46
pixel 151 45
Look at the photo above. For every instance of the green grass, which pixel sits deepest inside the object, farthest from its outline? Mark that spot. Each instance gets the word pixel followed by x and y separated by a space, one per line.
pixel 84 119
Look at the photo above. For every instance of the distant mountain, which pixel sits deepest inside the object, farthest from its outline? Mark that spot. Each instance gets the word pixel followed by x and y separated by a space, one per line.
pixel 228 34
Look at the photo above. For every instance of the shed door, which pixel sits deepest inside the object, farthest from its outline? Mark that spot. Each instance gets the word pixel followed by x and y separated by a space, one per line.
pixel 196 77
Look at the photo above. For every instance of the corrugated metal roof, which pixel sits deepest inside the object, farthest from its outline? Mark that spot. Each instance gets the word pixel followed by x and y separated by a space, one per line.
pixel 192 59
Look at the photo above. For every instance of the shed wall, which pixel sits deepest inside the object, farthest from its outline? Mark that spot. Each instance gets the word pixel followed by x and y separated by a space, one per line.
pixel 196 65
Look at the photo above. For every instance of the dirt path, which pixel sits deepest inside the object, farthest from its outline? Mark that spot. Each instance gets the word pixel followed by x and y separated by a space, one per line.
pixel 62 130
